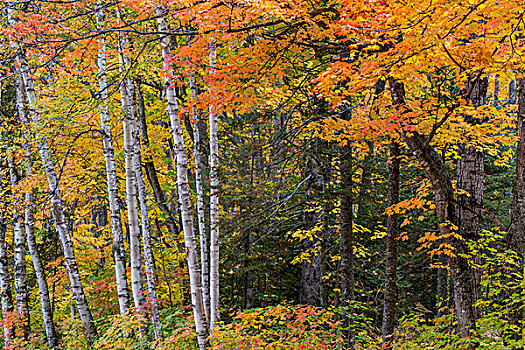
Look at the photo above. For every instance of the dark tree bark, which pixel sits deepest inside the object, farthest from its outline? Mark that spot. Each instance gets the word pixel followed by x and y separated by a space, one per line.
pixel 434 168
pixel 516 230
pixel 346 239
pixel 311 266
pixel 151 172
pixel 471 173
pixel 390 303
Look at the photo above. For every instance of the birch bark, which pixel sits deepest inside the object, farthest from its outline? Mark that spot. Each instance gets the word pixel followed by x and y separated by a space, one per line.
pixel 143 204
pixel 183 189
pixel 111 176
pixel 56 201
pixel 19 241
pixel 141 189
pixel 5 288
pixel 45 303
pixel 131 196
pixel 203 237
pixel 214 204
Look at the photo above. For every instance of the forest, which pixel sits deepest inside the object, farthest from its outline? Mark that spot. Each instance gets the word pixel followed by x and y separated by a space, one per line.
pixel 262 174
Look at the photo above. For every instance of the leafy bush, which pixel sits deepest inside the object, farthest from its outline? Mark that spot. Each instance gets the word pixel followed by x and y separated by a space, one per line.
pixel 280 327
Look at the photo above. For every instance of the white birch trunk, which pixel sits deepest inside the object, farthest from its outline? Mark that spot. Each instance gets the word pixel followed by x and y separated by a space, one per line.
pixel 111 176
pixel 146 227
pixel 19 241
pixel 45 303
pixel 56 204
pixel 183 189
pixel 5 288
pixel 214 204
pixel 131 196
pixel 142 195
pixel 205 277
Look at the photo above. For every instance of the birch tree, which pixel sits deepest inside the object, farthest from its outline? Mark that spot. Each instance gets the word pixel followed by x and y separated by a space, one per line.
pixel 131 195
pixel 111 175
pixel 45 303
pixel 19 242
pixel 183 187
pixel 5 285
pixel 57 209
pixel 214 203
pixel 199 186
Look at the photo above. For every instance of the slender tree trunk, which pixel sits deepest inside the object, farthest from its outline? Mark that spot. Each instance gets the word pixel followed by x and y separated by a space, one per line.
pixel 214 203
pixel 19 241
pixel 346 241
pixel 183 189
pixel 434 168
pixel 146 228
pixel 390 304
pixel 45 303
pixel 516 230
pixel 131 195
pixel 5 285
pixel 142 195
pixel 56 201
pixel 58 213
pixel 151 172
pixel 201 218
pixel 119 257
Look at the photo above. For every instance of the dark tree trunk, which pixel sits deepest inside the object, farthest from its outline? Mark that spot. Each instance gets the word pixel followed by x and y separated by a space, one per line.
pixel 516 230
pixel 151 172
pixel 442 292
pixel 432 164
pixel 389 309
pixel 245 265
pixel 346 239
pixel 471 173
pixel 311 265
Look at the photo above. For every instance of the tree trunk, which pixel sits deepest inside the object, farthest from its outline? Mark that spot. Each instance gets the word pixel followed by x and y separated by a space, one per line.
pixel 214 203
pixel 183 189
pixel 119 257
pixel 57 207
pixel 151 172
pixel 19 241
pixel 471 173
pixel 146 227
pixel 434 168
pixel 201 218
pixel 45 303
pixel 56 201
pixel 516 230
pixel 346 241
pixel 131 194
pixel 390 304
pixel 311 264
pixel 5 285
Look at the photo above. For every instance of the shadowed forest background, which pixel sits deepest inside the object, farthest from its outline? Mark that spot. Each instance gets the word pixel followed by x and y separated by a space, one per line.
pixel 246 174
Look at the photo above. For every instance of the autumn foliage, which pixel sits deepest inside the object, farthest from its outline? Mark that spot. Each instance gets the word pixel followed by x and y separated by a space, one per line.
pixel 260 174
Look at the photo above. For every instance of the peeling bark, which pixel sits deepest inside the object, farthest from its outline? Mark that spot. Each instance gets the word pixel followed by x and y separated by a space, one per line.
pixel 119 257
pixel 183 190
